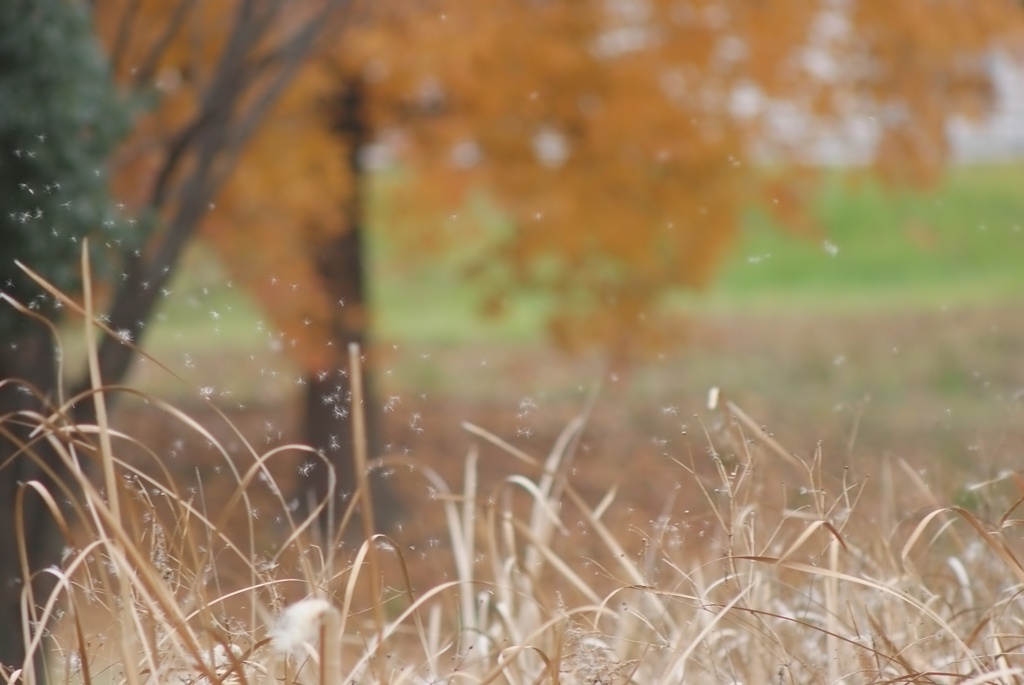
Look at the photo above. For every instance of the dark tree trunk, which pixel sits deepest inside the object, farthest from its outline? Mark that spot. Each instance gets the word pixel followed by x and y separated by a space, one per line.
pixel 31 362
pixel 258 62
pixel 341 267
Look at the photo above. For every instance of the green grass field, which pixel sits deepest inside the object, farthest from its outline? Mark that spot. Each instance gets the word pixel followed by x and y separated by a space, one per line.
pixel 902 258
pixel 959 247
pixel 958 244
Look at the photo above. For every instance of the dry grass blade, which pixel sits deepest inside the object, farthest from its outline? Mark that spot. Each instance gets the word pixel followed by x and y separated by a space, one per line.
pixel 76 307
pixel 808 533
pixel 503 445
pixel 359 445
pixel 675 671
pixel 902 597
pixel 757 431
pixel 535 584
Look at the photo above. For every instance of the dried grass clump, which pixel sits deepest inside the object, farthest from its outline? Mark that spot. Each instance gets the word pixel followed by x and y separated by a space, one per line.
pixel 156 588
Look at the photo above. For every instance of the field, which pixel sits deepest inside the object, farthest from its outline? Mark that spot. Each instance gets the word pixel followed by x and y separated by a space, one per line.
pixel 756 504
pixel 895 332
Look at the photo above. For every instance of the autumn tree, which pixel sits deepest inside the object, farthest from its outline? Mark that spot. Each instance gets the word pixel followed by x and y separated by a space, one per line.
pixel 211 73
pixel 625 138
pixel 622 138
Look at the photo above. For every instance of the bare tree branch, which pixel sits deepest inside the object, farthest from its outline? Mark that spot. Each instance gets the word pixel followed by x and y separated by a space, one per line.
pixel 145 72
pixel 229 82
pixel 124 27
pixel 200 159
pixel 291 55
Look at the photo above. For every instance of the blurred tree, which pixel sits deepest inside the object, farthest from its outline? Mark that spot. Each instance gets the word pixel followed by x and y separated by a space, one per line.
pixel 211 73
pixel 60 117
pixel 622 138
pixel 625 138
pixel 287 219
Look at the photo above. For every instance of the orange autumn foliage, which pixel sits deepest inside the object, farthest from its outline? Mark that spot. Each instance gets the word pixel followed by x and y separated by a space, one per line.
pixel 622 138
pixel 285 193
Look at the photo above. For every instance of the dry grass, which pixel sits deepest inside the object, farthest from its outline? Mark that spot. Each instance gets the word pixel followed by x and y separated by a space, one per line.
pixel 159 585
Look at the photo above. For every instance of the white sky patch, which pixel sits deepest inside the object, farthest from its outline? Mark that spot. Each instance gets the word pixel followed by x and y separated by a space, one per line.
pixel 832 23
pixel 629 28
pixel 629 11
pixel 550 147
pixel 746 101
pixel 821 64
pixel 376 156
pixel 466 154
pixel 731 49
pixel 623 41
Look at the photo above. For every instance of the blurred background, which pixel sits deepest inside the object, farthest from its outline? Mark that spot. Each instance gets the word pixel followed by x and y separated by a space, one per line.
pixel 523 208
pixel 726 232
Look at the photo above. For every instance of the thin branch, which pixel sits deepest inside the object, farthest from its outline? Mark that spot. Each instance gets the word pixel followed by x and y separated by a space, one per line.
pixel 213 141
pixel 150 62
pixel 293 55
pixel 219 96
pixel 124 27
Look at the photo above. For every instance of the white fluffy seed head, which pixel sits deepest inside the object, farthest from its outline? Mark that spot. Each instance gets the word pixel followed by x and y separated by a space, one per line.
pixel 300 624
pixel 713 398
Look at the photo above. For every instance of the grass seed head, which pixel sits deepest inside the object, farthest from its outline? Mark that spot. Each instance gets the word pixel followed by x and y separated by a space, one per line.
pixel 301 623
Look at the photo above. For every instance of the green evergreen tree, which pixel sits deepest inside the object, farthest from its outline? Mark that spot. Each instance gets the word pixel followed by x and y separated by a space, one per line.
pixel 60 118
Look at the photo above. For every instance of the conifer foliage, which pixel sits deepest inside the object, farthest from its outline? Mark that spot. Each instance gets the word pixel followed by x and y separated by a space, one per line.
pixel 61 118
pixel 61 124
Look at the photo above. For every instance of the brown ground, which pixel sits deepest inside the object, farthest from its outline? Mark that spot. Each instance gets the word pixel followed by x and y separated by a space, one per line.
pixel 941 390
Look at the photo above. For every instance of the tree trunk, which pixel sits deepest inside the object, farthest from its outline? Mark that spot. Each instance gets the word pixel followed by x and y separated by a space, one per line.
pixel 30 361
pixel 260 59
pixel 341 266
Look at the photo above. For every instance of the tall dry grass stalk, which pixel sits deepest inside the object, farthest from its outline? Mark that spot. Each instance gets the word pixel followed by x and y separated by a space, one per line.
pixel 158 586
